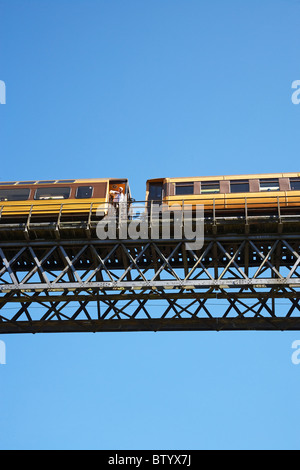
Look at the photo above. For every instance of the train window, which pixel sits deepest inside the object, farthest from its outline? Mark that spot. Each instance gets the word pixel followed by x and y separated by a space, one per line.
pixel 155 191
pixel 46 182
pixel 66 181
pixel 14 194
pixel 210 187
pixel 269 184
pixel 239 186
pixel 26 182
pixel 84 192
pixel 184 188
pixel 6 183
pixel 295 184
pixel 53 192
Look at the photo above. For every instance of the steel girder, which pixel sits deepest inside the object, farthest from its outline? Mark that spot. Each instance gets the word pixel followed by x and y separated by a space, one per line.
pixel 236 281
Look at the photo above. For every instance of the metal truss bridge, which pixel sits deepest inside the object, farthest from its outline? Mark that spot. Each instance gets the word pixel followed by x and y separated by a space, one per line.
pixel 60 277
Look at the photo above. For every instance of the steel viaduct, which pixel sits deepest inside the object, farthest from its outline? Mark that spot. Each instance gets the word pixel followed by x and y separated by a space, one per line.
pixel 59 276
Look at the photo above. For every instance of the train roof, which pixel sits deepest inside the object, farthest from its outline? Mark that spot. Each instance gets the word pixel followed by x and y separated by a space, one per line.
pixel 61 181
pixel 227 177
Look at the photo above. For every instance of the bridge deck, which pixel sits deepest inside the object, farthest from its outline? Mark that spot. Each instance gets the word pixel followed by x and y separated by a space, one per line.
pixel 59 277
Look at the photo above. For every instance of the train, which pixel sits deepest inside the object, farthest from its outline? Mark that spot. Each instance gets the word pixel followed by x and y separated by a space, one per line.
pixel 46 199
pixel 229 194
pixel 81 197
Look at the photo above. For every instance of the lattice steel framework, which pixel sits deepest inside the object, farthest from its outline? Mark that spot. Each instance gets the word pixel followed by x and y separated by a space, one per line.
pixel 61 279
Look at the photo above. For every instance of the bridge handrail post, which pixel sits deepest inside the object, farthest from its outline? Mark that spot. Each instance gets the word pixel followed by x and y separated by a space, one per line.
pixel 278 208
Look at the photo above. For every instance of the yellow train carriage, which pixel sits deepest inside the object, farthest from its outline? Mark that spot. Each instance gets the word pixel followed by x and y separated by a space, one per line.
pixel 228 193
pixel 47 199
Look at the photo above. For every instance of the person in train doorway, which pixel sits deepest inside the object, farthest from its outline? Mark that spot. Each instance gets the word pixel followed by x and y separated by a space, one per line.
pixel 117 196
pixel 117 199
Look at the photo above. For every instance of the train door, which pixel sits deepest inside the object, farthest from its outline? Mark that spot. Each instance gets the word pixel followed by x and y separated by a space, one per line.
pixel 119 192
pixel 155 196
pixel 114 189
pixel 155 192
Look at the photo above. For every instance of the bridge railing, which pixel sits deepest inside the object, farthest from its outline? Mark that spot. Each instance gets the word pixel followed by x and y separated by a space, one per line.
pixel 56 211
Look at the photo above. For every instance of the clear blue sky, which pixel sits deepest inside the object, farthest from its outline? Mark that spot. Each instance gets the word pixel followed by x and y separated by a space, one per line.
pixel 148 89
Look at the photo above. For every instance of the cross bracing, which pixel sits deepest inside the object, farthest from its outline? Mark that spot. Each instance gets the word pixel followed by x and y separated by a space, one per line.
pixel 64 279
